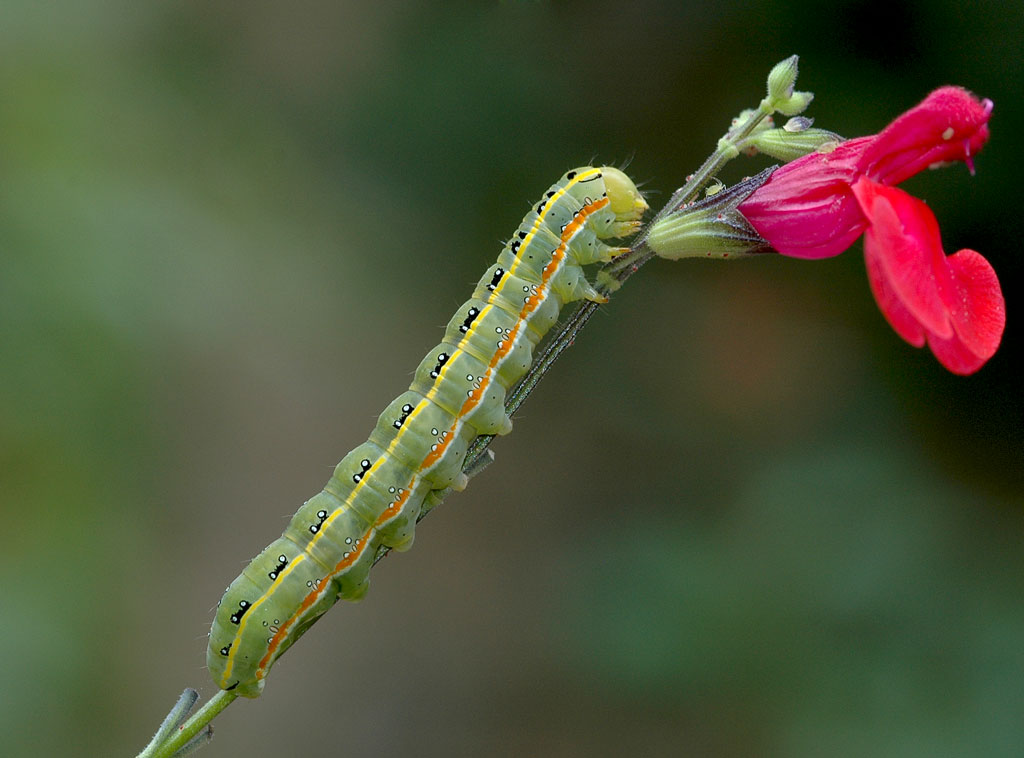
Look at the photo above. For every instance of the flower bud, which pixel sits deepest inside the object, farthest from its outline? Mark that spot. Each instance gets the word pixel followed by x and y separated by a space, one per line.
pixel 794 104
pixel 782 79
pixel 781 96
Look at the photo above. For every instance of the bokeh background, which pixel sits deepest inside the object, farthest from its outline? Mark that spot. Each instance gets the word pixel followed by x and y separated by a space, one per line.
pixel 739 518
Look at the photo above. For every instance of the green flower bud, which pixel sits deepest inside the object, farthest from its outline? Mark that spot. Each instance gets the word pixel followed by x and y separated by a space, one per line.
pixel 796 103
pixel 781 96
pixel 782 79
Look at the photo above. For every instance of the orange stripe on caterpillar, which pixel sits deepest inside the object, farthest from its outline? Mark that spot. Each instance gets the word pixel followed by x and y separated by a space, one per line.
pixel 310 600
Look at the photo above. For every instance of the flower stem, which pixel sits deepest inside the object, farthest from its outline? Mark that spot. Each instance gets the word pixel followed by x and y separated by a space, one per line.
pixel 192 733
pixel 725 151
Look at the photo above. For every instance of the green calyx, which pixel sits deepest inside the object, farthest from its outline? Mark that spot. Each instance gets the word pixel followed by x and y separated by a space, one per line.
pixel 794 140
pixel 710 227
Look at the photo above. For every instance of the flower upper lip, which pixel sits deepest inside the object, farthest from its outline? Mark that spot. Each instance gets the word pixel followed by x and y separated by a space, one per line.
pixel 948 125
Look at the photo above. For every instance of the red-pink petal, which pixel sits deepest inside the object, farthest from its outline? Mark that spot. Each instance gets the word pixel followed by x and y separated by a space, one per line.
pixel 806 210
pixel 978 311
pixel 899 318
pixel 903 243
pixel 954 355
pixel 948 125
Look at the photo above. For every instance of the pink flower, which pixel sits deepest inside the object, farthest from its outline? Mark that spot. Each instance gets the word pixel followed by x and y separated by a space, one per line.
pixel 818 205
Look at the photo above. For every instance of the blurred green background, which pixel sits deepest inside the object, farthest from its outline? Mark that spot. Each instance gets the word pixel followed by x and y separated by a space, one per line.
pixel 741 517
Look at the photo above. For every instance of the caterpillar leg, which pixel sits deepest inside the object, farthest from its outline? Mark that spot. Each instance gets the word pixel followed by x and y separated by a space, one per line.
pixel 460 482
pixel 606 253
pixel 571 284
pixel 591 294
pixel 353 593
pixel 615 252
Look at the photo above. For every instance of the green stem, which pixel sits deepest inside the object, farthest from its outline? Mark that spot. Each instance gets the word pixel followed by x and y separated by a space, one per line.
pixel 724 152
pixel 187 731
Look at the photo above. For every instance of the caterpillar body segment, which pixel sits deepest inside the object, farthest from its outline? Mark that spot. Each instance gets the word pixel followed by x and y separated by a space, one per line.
pixel 418 447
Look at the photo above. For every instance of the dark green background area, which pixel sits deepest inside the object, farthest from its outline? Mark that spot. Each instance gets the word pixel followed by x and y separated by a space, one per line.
pixel 740 517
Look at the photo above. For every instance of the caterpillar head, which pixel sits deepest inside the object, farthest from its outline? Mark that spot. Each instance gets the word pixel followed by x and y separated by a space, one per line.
pixel 627 203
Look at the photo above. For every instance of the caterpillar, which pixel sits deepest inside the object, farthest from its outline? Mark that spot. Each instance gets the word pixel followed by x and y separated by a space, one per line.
pixel 420 441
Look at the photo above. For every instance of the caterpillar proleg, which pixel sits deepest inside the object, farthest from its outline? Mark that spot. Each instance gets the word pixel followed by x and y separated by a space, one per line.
pixel 419 443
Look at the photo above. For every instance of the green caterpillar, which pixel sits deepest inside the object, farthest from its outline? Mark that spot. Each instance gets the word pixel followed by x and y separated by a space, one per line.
pixel 421 438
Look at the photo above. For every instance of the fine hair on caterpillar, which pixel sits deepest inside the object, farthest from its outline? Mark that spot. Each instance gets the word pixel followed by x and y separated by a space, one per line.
pixel 419 443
